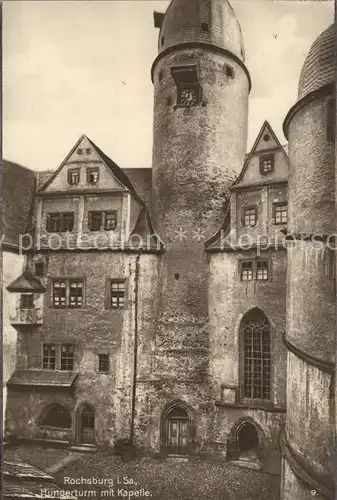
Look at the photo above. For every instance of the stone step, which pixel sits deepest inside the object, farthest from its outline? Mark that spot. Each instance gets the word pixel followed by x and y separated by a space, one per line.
pixel 177 458
pixel 84 448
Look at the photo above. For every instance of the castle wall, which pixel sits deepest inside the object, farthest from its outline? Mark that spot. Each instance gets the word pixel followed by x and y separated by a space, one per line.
pixel 94 330
pixel 229 300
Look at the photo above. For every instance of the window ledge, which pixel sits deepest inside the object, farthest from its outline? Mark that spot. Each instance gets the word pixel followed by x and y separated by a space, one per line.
pixel 258 406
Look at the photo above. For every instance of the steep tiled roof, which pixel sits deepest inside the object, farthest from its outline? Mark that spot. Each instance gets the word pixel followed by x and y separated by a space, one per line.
pixel 319 68
pixel 26 283
pixel 115 169
pixel 141 179
pixel 42 378
pixel 143 235
pixel 18 189
pixel 22 480
pixel 208 21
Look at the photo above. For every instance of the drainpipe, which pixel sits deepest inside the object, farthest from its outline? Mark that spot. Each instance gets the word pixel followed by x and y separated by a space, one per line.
pixel 135 349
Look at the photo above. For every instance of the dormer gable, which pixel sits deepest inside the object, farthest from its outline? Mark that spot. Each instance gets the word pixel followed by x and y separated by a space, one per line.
pixel 86 167
pixel 267 160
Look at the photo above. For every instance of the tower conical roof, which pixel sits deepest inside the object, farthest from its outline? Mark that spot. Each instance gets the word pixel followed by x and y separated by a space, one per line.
pixel 319 69
pixel 208 21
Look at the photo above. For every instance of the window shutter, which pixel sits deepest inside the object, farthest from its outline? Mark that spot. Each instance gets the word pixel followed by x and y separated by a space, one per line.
pixel 48 223
pixel 107 299
pixel 242 217
pixel 90 220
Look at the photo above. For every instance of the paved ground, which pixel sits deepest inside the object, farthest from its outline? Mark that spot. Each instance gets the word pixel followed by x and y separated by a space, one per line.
pixel 161 479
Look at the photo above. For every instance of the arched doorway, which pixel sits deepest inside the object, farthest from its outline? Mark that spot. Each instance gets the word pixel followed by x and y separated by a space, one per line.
pixel 86 425
pixel 247 440
pixel 177 430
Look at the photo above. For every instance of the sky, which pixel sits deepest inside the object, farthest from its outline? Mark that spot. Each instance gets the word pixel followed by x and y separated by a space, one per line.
pixel 83 67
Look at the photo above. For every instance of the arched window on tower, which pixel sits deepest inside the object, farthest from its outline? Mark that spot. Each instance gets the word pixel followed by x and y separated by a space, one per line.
pixel 256 356
pixel 56 416
pixel 330 120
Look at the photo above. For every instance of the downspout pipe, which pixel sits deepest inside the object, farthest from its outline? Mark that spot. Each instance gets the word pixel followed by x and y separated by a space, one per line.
pixel 135 349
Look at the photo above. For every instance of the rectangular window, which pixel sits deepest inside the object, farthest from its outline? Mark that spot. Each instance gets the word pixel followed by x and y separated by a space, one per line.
pixel 67 357
pixel 39 269
pixel 249 216
pixel 247 270
pixel 68 293
pixel 103 363
pixel 73 177
pixel 280 213
pixel 189 90
pixel 68 221
pixel 59 293
pixel 267 164
pixel 58 357
pixel 95 221
pixel 27 301
pixel 54 223
pixel 256 269
pixel 60 222
pixel 49 357
pixel 92 175
pixel 262 270
pixel 102 220
pixel 75 294
pixel 110 221
pixel 117 294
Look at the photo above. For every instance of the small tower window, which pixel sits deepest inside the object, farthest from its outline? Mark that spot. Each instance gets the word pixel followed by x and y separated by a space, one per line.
pixel 161 75
pixel 267 164
pixel 162 40
pixel 204 27
pixel 229 71
pixel 266 137
pixel 39 269
pixel 169 100
pixel 80 151
pixel 189 91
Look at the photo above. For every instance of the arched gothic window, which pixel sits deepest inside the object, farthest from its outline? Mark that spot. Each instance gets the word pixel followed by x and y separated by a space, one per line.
pixel 56 416
pixel 256 363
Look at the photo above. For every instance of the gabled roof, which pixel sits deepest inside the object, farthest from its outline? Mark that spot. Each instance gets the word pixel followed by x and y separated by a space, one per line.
pixel 116 171
pixel 248 157
pixel 27 282
pixel 143 237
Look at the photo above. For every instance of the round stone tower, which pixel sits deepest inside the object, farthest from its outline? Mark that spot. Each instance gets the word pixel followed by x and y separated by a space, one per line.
pixel 201 88
pixel 308 441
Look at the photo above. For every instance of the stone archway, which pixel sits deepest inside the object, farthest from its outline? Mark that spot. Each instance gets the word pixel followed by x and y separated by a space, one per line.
pixel 177 429
pixel 86 425
pixel 245 443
